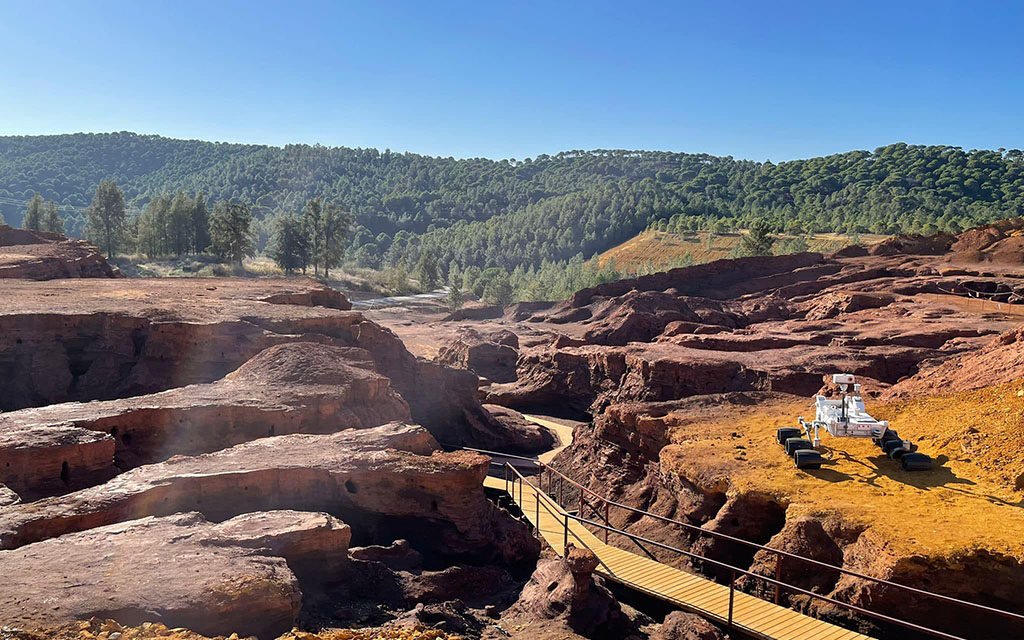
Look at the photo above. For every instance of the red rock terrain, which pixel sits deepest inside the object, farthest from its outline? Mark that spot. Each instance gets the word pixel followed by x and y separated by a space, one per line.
pixel 192 451
pixel 688 373
pixel 37 255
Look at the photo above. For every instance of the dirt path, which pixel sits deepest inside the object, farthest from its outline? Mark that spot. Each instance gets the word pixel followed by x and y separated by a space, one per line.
pixel 563 430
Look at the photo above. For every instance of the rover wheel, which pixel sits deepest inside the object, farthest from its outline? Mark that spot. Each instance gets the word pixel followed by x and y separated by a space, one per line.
pixel 784 433
pixel 889 445
pixel 797 444
pixel 916 462
pixel 807 459
pixel 898 452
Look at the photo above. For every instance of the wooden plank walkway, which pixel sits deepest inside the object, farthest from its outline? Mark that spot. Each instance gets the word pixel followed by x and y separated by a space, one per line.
pixel 751 615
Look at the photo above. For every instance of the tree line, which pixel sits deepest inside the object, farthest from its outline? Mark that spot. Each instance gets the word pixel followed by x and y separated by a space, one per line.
pixel 181 225
pixel 512 213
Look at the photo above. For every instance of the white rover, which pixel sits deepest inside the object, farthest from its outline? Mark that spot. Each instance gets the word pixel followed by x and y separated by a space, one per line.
pixel 846 417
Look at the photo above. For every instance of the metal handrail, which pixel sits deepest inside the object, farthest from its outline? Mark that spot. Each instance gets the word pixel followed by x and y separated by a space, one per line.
pixel 787 554
pixel 737 570
pixel 566 516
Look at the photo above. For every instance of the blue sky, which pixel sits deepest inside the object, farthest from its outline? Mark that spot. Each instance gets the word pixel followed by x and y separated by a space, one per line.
pixel 759 80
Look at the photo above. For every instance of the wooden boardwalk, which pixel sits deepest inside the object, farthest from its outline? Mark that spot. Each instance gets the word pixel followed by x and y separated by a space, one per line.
pixel 751 615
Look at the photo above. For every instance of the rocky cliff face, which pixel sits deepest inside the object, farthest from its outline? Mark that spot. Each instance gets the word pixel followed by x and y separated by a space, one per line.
pixel 110 339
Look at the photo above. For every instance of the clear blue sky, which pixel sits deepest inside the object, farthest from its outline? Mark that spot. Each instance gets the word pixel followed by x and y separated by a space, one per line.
pixel 759 79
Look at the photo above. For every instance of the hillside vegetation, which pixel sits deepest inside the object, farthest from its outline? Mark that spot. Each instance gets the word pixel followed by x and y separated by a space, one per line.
pixel 512 213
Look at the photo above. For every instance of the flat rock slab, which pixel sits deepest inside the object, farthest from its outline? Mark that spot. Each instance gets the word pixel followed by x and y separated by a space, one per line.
pixel 379 479
pixel 180 570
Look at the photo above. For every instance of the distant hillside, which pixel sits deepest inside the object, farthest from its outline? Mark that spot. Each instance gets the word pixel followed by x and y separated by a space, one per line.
pixel 521 213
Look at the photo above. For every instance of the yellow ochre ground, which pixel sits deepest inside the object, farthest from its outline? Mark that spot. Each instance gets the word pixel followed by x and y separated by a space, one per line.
pixel 972 498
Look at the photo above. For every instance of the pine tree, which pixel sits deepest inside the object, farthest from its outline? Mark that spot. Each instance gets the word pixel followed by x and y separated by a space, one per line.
pixel 52 221
pixel 231 232
pixel 200 224
pixel 289 244
pixel 328 226
pixel 34 214
pixel 106 217
pixel 179 225
pixel 758 241
pixel 426 271
pixel 455 295
pixel 152 228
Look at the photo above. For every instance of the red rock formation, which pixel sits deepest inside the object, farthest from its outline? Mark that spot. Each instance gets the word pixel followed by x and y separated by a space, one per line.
pixel 292 388
pixel 234 577
pixel 37 255
pixel 565 590
pixel 378 480
pixel 489 356
pixel 117 338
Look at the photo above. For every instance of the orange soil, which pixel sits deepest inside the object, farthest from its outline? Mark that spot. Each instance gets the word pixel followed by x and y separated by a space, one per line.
pixel 968 500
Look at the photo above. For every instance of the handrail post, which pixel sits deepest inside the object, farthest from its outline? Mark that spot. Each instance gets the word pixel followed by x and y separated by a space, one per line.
pixel 536 504
pixel 732 592
pixel 778 577
pixel 506 479
pixel 565 534
pixel 606 521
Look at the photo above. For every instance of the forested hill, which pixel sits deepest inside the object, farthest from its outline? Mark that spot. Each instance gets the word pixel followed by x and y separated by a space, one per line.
pixel 510 213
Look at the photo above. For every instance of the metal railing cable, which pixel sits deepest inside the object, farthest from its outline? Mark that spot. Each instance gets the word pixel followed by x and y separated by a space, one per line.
pixel 780 554
pixel 735 572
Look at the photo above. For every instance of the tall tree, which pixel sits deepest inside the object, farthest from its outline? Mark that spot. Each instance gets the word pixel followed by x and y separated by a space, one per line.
pixel 200 224
pixel 179 224
pixel 151 228
pixel 34 213
pixel 328 225
pixel 52 221
pixel 231 232
pixel 456 297
pixel 106 216
pixel 426 271
pixel 289 244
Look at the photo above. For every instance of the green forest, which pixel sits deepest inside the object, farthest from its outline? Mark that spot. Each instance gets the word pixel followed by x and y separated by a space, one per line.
pixel 512 214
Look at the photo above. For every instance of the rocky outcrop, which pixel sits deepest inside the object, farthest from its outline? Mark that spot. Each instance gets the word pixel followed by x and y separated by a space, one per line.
pixel 297 387
pixel 525 437
pixel 378 480
pixel 180 570
pixel 491 356
pixel 117 338
pixel 680 625
pixel 37 255
pixel 565 590
pixel 1000 361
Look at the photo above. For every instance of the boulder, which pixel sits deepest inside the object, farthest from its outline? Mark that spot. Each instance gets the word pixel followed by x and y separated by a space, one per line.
pixel 180 570
pixel 567 591
pixel 489 356
pixel 680 625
